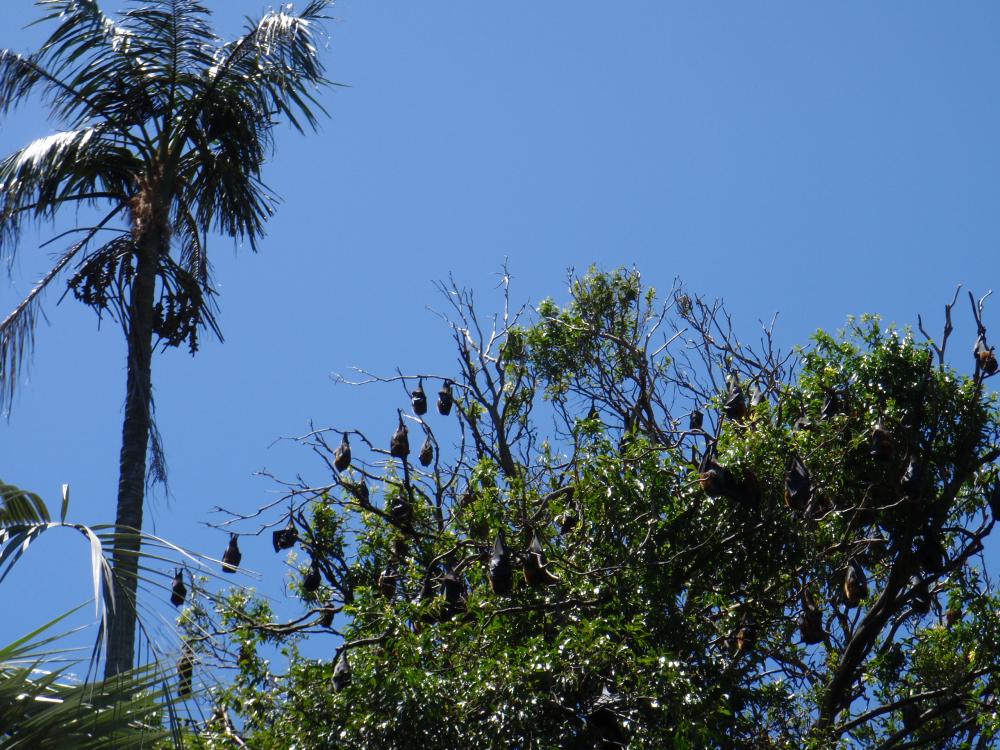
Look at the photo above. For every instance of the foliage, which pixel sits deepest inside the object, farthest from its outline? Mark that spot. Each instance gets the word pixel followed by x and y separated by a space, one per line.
pixel 43 701
pixel 801 569
pixel 41 708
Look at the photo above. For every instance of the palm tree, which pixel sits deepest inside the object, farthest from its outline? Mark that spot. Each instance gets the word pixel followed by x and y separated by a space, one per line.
pixel 166 129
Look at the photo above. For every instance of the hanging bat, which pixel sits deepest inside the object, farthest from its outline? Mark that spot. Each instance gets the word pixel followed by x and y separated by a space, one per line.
pixel 920 595
pixel 400 548
pixel 603 718
pixel 798 487
pixel 819 505
pixel 696 420
pixel 810 621
pixel 832 405
pixel 419 399
pixel 426 452
pixel 567 521
pixel 735 405
pixel 326 617
pixel 178 591
pixel 445 399
pixel 712 476
pixel 882 444
pixel 749 494
pixel 359 490
pixel 312 579
pixel 285 538
pixel 387 583
pixel 453 591
pixel 717 481
pixel 341 672
pixel 593 414
pixel 185 672
pixel 401 512
pixel 931 553
pixel 232 556
pixel 399 444
pixel 746 636
pixel 855 584
pixel 533 565
pixel 499 571
pixel 985 357
pixel 342 456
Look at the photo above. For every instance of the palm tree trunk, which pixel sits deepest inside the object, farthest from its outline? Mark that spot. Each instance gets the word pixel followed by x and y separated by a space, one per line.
pixel 132 462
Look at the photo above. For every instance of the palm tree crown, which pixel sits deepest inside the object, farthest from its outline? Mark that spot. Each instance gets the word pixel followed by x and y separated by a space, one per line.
pixel 165 129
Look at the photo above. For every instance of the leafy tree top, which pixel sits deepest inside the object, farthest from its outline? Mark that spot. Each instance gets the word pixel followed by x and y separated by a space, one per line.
pixel 715 546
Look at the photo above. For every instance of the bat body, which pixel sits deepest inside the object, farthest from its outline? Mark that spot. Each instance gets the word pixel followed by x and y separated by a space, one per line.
pixel 341 673
pixel 985 357
pixel 833 404
pixel 931 553
pixel 798 487
pixel 533 565
pixel 401 512
pixel 387 583
pixel 453 592
pixel 735 405
pixel 811 626
pixel 285 538
pixel 231 558
pixel 920 595
pixel 445 399
pixel 342 456
pixel 399 443
pixel 185 672
pixel 178 591
pixel 746 637
pixel 418 399
pixel 603 718
pixel 426 452
pixel 312 579
pixel 855 584
pixel 696 420
pixel 499 570
pixel 882 444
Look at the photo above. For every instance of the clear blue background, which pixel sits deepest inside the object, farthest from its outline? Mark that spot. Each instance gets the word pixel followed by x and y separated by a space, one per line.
pixel 815 160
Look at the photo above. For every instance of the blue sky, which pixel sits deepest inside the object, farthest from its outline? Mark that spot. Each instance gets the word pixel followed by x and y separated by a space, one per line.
pixel 814 160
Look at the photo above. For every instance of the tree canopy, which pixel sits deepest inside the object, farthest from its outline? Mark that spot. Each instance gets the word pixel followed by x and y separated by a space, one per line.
pixel 625 528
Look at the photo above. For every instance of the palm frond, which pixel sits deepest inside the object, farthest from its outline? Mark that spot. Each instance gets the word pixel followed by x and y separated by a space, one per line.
pixel 125 71
pixel 45 708
pixel 23 75
pixel 193 256
pixel 19 506
pixel 24 518
pixel 174 37
pixel 17 332
pixel 229 197
pixel 74 166
pixel 277 64
pixel 272 68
